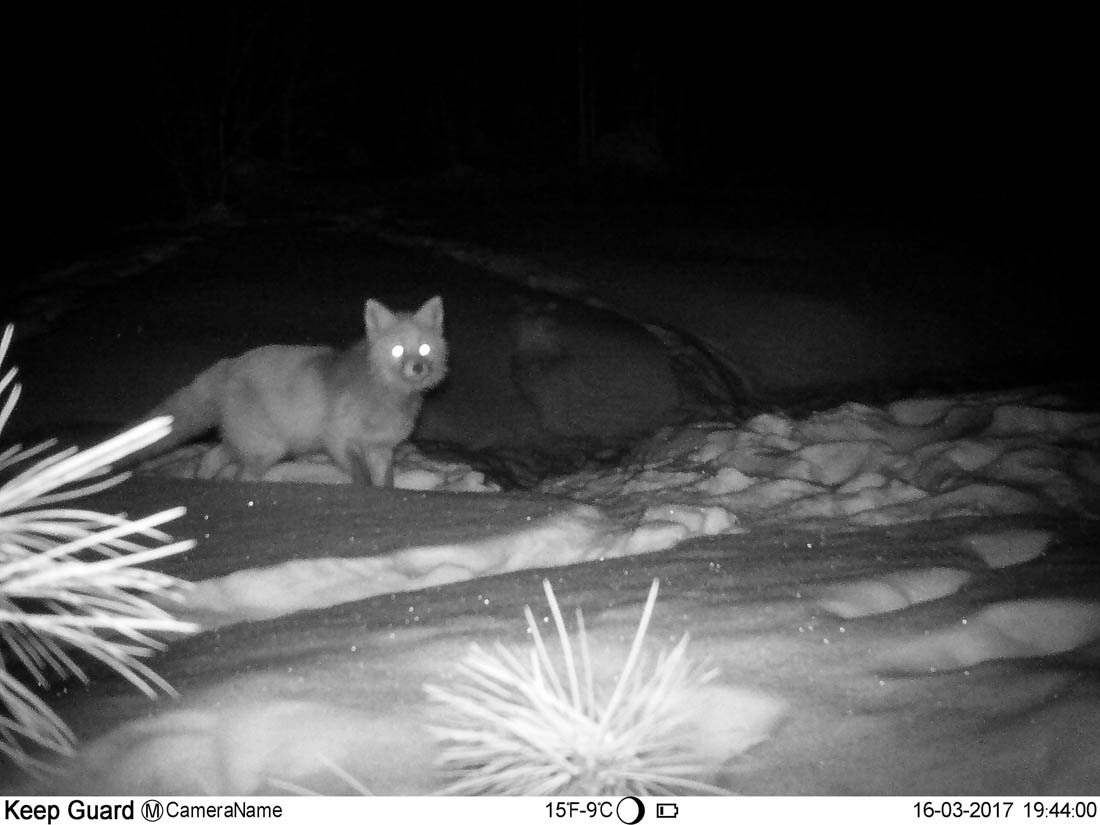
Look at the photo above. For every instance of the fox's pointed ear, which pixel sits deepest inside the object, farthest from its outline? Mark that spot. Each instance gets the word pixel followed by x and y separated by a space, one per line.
pixel 376 317
pixel 431 314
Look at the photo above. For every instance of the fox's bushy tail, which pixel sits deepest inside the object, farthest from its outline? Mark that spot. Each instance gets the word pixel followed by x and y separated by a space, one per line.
pixel 195 409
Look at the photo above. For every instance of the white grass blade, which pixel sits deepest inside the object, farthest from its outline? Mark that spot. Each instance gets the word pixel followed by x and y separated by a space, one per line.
pixel 635 650
pixel 566 648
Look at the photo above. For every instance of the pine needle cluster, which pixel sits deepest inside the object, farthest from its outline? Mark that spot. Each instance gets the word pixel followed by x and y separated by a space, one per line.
pixel 72 586
pixel 515 724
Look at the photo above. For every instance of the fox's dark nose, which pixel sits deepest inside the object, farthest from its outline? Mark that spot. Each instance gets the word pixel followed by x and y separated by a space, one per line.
pixel 417 368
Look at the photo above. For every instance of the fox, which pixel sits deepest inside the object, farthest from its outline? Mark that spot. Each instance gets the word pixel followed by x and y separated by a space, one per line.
pixel 279 401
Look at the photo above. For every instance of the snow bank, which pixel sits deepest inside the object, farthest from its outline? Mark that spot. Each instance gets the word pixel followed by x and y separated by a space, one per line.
pixel 856 465
pixel 912 460
pixel 581 533
pixel 837 656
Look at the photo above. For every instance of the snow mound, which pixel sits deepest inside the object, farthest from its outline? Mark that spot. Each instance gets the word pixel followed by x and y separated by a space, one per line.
pixel 884 594
pixel 987 454
pixel 236 746
pixel 580 534
pixel 1014 629
pixel 1009 547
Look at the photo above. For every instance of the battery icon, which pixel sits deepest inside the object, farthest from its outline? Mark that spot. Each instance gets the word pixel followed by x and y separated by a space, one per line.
pixel 667 810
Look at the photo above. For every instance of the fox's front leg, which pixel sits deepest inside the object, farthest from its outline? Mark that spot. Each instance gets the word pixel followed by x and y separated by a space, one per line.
pixel 370 464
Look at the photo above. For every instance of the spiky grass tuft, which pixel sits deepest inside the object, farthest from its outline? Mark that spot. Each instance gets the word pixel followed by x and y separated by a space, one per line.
pixel 513 725
pixel 70 581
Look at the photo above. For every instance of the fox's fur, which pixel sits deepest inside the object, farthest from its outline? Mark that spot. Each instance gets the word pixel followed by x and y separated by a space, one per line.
pixel 356 405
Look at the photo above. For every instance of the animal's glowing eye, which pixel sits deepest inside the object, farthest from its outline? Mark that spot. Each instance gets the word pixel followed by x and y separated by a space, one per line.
pixel 397 351
pixel 424 350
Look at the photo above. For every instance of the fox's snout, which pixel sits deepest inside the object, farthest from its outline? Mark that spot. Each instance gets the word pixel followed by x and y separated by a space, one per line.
pixel 417 368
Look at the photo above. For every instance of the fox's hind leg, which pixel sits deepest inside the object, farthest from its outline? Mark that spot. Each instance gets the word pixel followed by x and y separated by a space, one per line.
pixel 255 450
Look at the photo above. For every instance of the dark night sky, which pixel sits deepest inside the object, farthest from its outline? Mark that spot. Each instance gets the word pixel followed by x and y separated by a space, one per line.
pixel 981 116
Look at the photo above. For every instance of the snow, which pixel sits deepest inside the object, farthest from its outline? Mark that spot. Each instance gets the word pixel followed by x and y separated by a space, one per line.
pixel 899 598
pixel 910 461
pixel 812 667
pixel 580 534
pixel 930 458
